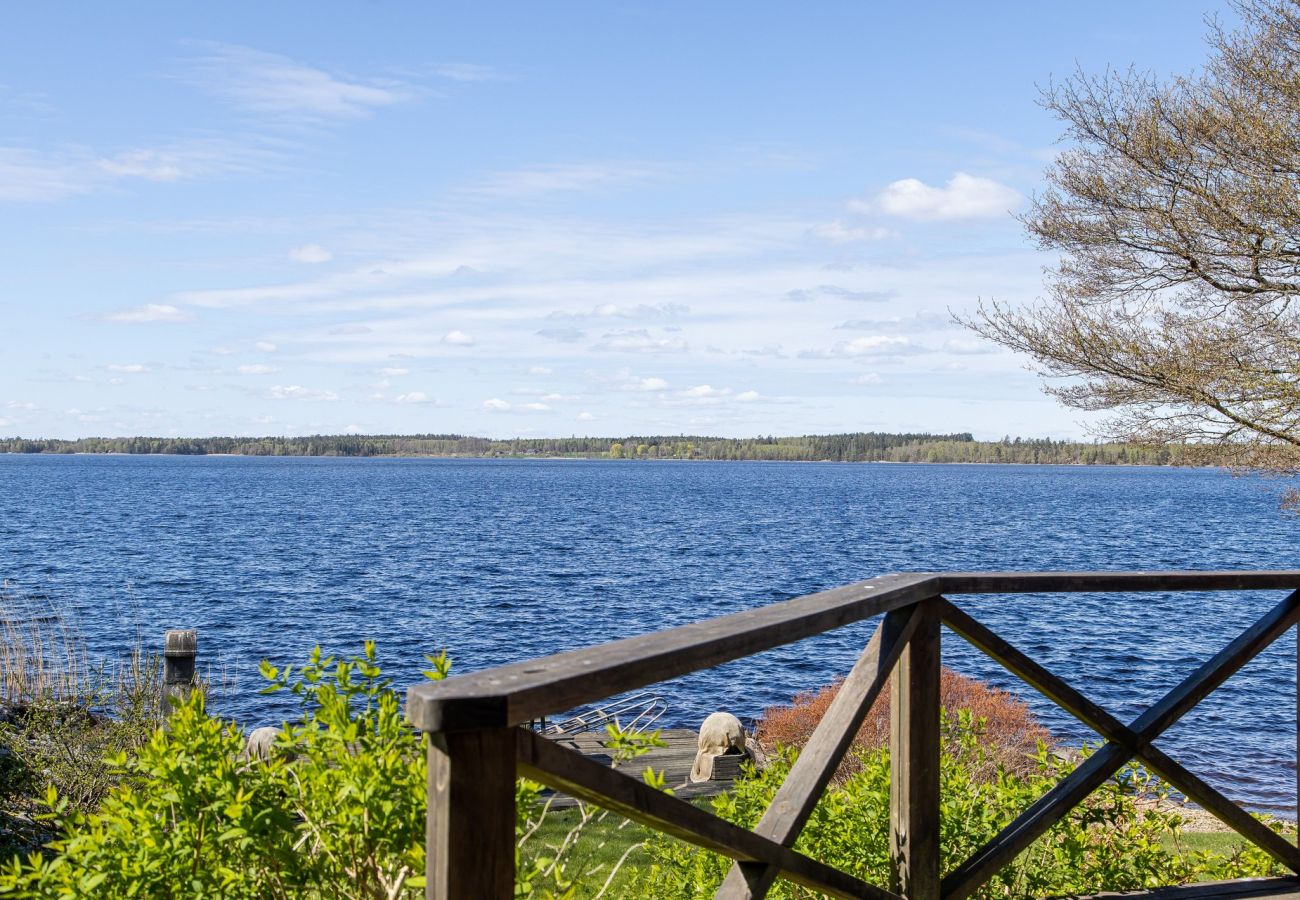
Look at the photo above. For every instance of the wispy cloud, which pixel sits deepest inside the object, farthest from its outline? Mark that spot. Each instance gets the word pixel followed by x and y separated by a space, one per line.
pixel 184 160
pixel 835 292
pixel 310 253
pixel 497 405
pixel 460 71
pixel 267 84
pixel 840 232
pixel 871 345
pixel 28 177
pixel 638 340
pixel 569 178
pixel 150 312
pixel 298 392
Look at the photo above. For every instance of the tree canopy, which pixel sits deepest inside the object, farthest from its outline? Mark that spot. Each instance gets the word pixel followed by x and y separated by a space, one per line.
pixel 1175 210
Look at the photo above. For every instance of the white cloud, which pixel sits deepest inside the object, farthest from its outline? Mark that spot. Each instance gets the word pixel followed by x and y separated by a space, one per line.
pixel 352 429
pixel 298 392
pixel 644 384
pixel 265 346
pixel 256 369
pixel 28 406
pixel 920 322
pixel 747 396
pixel 866 378
pixel 963 197
pixel 150 312
pixel 870 345
pixel 394 370
pixel 276 86
pixel 6 423
pixel 640 311
pixel 412 397
pixel 458 339
pixel 497 405
pixel 310 253
pixel 638 340
pixel 837 232
pixel 705 390
pixel 585 416
pixel 539 370
pixel 128 368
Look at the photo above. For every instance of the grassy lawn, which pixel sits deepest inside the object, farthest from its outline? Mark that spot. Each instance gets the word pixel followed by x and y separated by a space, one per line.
pixel 604 841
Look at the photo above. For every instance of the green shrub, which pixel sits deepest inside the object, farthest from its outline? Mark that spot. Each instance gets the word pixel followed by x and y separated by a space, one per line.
pixel 1118 840
pixel 337 810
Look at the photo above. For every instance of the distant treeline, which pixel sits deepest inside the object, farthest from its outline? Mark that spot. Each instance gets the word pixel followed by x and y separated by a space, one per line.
pixel 868 446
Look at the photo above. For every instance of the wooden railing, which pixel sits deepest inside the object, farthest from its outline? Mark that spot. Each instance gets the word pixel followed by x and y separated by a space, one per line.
pixel 478 748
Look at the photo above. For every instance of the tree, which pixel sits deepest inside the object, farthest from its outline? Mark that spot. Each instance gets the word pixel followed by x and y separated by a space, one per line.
pixel 1176 213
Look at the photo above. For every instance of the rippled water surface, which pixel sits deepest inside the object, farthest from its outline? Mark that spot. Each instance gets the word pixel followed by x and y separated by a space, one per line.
pixel 502 560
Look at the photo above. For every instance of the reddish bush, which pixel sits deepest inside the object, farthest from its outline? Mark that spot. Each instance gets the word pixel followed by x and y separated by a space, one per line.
pixel 1010 736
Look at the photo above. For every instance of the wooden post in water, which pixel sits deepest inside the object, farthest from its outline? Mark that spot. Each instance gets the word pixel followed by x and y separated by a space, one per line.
pixel 180 646
pixel 914 762
pixel 470 831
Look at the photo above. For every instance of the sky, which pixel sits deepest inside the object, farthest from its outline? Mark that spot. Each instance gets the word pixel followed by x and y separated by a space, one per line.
pixel 525 219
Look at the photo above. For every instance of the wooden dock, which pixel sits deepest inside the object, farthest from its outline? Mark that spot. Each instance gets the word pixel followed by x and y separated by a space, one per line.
pixel 674 761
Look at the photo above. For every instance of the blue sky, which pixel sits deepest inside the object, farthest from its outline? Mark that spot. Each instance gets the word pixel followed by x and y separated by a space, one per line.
pixel 531 219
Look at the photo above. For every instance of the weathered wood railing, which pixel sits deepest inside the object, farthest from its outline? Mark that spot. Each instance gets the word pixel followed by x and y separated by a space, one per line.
pixel 478 747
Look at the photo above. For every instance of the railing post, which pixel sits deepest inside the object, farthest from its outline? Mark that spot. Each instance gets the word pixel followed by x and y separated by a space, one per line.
pixel 470 829
pixel 180 646
pixel 914 762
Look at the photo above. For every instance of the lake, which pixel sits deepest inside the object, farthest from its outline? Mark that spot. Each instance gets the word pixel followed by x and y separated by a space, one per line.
pixel 500 560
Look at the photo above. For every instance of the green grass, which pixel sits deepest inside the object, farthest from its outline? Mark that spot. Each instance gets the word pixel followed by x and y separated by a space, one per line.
pixel 605 839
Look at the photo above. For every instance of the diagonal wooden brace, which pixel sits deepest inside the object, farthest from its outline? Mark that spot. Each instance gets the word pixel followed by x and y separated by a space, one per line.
pixel 571 772
pixel 1125 742
pixel 817 762
pixel 1113 730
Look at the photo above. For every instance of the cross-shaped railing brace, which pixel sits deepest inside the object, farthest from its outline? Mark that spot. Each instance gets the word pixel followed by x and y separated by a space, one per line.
pixel 1125 743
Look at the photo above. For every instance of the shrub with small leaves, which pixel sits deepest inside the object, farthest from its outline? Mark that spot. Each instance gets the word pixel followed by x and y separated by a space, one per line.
pixel 1117 840
pixel 336 810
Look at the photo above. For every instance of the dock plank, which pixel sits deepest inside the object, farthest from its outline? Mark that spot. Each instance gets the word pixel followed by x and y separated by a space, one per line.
pixel 674 761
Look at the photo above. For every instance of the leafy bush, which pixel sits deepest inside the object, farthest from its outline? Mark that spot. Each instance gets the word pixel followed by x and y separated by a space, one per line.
pixel 336 810
pixel 1115 841
pixel 1012 732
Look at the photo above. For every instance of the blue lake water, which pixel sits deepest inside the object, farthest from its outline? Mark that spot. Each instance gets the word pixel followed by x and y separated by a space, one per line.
pixel 503 560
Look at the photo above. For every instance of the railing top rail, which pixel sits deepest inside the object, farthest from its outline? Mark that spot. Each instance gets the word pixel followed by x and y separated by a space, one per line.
pixel 1079 582
pixel 517 693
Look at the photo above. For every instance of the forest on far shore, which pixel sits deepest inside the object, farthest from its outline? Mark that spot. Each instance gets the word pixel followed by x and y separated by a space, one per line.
pixel 867 446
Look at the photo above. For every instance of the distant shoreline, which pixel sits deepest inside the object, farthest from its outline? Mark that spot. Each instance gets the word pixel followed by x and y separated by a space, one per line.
pixel 534 458
pixel 871 446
